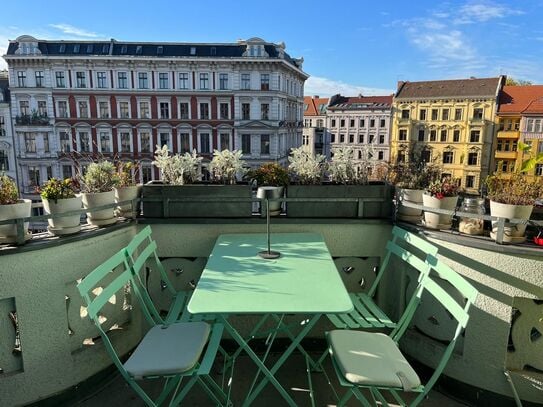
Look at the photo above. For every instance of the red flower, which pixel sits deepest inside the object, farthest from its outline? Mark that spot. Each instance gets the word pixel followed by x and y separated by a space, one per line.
pixel 439 195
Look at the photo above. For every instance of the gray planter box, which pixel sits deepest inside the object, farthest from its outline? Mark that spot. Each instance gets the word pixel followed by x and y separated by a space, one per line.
pixel 196 201
pixel 372 201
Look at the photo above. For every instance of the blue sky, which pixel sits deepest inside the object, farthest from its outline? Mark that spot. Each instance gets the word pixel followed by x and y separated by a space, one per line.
pixel 364 47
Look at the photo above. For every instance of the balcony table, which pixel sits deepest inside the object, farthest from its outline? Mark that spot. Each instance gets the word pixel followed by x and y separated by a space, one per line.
pixel 304 280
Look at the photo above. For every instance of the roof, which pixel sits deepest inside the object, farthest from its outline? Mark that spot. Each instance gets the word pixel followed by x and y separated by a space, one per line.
pixel 359 102
pixel 483 87
pixel 521 99
pixel 315 106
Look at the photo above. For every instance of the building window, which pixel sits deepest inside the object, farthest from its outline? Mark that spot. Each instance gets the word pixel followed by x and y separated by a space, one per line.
pixel 84 142
pixel 320 123
pixel 265 81
pixel 34 176
pixel 184 145
pixel 103 107
pixel 264 111
pixel 380 155
pixel 265 144
pixel 83 109
pixel 80 80
pixel 205 143
pixel 163 80
pixel 67 171
pixel 332 138
pixel 223 81
pixel 474 136
pixel 342 138
pixel 245 111
pixel 46 142
pixel 433 135
pixel 402 135
pixel 333 123
pixel 101 80
pixel 105 142
pixel 362 123
pixel 246 143
pixel 65 142
pixel 21 79
pixel 125 142
pixel 425 155
pixel 470 181
pixel 405 114
pixel 204 111
pixel 342 123
pixel 122 80
pixel 144 110
pixel 443 135
pixel 421 135
pixel 124 111
pixel 40 83
pixel 456 136
pixel 447 157
pixel 224 111
pixel 435 112
pixel 457 114
pixel 245 81
pixel 445 114
pixel 539 169
pixel 472 158
pixel 62 108
pixel 204 81
pixel 145 142
pixel 143 80
pixel 61 81
pixel 42 108
pixel 351 138
pixel 351 123
pixel 360 138
pixel 401 157
pixel 372 139
pixel 382 123
pixel 183 111
pixel 146 174
pixel 183 80
pixel 24 107
pixel 164 110
pixel 224 141
pixel 372 123
pixel 164 139
pixel 478 113
pixel 422 114
pixel 381 139
pixel 30 142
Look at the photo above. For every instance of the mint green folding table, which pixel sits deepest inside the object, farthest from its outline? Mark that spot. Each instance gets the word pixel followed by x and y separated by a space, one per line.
pixel 236 281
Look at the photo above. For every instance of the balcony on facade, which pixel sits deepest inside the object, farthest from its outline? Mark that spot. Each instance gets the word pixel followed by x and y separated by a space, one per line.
pixel 508 134
pixel 505 155
pixel 34 119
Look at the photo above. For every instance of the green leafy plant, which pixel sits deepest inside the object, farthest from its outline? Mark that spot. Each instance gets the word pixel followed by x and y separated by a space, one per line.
pixel 305 168
pixel 269 174
pixel 177 169
pixel 55 189
pixel 226 166
pixel 443 188
pixel 100 177
pixel 127 173
pixel 8 191
pixel 416 173
pixel 518 189
pixel 530 163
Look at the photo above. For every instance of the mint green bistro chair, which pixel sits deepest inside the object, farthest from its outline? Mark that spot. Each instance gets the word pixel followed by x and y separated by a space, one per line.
pixel 366 313
pixel 373 361
pixel 167 351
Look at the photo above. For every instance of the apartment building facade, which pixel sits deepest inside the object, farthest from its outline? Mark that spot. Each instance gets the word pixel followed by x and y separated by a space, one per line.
pixel 452 122
pixel 361 122
pixel 75 100
pixel 315 133
pixel 7 150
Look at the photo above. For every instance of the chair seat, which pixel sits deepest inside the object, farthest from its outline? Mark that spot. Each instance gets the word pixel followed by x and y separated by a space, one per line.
pixel 371 359
pixel 168 349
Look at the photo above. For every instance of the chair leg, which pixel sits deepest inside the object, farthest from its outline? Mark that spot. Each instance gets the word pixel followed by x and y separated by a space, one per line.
pixel 358 394
pixel 345 398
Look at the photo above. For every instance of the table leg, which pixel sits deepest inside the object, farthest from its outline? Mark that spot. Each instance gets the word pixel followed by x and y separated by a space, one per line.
pixel 312 321
pixel 262 367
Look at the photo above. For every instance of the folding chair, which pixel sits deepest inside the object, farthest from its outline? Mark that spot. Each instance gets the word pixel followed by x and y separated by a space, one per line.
pixel 366 313
pixel 373 361
pixel 171 352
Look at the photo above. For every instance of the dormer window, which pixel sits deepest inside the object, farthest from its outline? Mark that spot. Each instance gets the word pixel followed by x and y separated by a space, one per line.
pixel 105 48
pixel 76 48
pixel 62 49
pixel 139 50
pixel 160 50
pixel 124 48
pixel 192 50
pixel 256 50
pixel 89 49
pixel 213 51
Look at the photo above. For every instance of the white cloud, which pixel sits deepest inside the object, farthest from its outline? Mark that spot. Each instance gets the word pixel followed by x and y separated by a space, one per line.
pixel 483 11
pixel 325 87
pixel 74 31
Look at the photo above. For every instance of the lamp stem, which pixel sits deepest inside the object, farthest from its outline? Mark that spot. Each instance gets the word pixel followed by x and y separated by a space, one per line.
pixel 268 222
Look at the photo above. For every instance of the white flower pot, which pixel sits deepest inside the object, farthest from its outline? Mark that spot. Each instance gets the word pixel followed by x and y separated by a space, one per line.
pixel 104 216
pixel 67 224
pixel 413 196
pixel 127 194
pixel 513 233
pixel 438 221
pixel 22 209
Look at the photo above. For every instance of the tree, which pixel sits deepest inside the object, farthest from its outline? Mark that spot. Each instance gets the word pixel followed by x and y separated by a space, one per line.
pixel 517 82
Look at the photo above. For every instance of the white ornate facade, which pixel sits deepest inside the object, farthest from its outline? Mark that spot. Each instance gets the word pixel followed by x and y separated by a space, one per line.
pixel 7 150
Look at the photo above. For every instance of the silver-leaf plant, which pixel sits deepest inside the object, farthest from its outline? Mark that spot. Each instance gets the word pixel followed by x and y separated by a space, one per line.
pixel 227 166
pixel 177 169
pixel 306 168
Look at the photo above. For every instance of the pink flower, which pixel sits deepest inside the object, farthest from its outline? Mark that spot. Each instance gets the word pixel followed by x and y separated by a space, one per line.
pixel 439 195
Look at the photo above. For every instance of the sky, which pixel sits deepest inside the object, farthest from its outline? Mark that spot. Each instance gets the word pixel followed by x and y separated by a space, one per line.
pixel 349 47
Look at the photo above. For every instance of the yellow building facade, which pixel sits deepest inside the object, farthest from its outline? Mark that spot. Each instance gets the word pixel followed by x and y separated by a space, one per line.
pixel 452 124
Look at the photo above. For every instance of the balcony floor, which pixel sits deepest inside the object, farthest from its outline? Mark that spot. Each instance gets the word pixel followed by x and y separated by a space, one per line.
pixel 292 375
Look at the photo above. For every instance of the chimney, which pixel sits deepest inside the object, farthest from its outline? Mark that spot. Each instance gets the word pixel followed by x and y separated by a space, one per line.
pixel 316 96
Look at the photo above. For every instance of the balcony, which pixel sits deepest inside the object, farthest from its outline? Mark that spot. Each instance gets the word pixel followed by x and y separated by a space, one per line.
pixel 34 119
pixel 509 134
pixel 505 155
pixel 50 346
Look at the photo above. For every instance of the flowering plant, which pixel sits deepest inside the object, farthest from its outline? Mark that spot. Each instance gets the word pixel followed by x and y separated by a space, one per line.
pixel 443 188
pixel 518 189
pixel 55 189
pixel 269 174
pixel 127 174
pixel 8 191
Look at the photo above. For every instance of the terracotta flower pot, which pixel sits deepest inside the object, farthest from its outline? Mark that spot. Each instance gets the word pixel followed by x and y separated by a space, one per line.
pixel 438 221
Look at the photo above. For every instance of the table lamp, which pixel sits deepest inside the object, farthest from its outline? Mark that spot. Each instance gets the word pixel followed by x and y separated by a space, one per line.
pixel 267 193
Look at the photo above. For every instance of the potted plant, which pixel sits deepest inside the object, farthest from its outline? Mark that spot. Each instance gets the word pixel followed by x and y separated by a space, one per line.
pixel 180 194
pixel 60 197
pixel 373 198
pixel 440 194
pixel 271 175
pixel 11 207
pixel 127 189
pixel 97 185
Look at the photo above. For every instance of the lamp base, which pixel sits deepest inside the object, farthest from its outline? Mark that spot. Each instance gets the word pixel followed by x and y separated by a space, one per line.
pixel 269 254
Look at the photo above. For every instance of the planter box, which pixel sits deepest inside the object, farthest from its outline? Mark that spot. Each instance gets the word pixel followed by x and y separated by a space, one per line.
pixel 379 204
pixel 201 201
